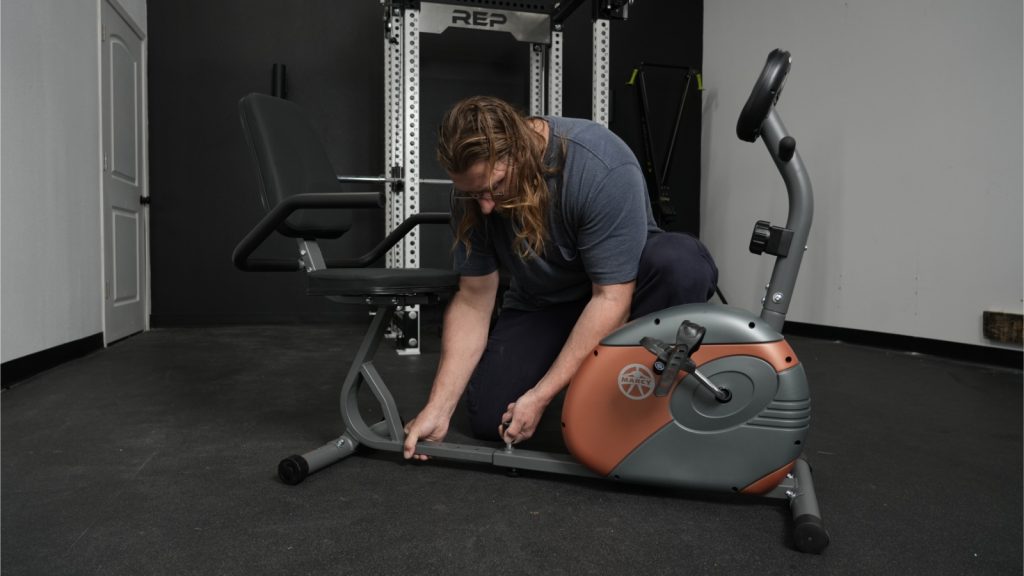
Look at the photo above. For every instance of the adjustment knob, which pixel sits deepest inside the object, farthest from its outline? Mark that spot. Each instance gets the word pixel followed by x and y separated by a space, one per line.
pixel 787 147
pixel 762 234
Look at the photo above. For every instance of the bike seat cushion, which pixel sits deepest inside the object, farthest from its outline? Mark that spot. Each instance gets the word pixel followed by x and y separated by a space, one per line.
pixel 381 281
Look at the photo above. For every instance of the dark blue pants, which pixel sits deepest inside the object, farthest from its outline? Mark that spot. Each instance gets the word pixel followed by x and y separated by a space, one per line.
pixel 674 269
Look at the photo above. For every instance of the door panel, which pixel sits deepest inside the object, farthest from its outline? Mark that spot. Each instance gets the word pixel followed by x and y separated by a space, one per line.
pixel 123 112
pixel 126 256
pixel 124 218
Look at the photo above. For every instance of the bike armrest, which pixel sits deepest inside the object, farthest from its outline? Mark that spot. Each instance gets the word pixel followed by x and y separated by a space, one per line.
pixel 241 257
pixel 391 239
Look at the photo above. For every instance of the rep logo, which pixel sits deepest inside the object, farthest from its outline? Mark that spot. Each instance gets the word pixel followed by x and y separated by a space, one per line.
pixel 636 381
pixel 478 18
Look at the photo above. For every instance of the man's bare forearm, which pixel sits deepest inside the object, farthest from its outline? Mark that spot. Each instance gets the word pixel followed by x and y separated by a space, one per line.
pixel 463 340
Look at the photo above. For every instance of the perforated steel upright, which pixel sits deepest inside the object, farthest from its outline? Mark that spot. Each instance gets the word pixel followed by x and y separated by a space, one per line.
pixel 401 125
pixel 546 77
pixel 536 79
pixel 410 134
pixel 393 124
pixel 601 66
pixel 555 73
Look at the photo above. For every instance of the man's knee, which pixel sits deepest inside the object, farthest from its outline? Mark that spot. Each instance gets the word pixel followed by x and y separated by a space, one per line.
pixel 676 269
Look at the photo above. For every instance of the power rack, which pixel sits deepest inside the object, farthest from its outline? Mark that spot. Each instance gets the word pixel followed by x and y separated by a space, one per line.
pixel 536 22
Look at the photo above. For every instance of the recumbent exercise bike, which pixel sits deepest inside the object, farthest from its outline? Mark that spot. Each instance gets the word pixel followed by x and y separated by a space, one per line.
pixel 702 397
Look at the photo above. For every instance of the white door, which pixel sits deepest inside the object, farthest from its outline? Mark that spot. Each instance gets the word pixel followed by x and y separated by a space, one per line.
pixel 124 219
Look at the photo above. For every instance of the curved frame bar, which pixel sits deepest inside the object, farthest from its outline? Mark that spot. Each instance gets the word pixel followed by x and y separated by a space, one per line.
pixel 801 210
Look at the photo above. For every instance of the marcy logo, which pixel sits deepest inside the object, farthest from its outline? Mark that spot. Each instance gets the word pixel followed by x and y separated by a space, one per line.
pixel 636 381
pixel 478 18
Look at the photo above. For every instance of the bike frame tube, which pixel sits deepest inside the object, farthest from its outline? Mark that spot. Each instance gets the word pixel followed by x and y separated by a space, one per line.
pixel 801 210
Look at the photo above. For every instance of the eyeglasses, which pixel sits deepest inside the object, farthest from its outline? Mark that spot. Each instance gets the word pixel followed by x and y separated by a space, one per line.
pixel 494 174
pixel 460 195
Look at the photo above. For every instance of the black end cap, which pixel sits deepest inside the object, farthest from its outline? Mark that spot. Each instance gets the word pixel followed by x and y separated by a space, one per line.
pixel 293 470
pixel 809 534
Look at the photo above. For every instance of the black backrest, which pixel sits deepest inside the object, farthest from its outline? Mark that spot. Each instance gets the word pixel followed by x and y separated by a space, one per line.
pixel 290 159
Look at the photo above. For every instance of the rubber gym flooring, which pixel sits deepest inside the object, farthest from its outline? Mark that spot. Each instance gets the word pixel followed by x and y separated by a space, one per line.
pixel 157 456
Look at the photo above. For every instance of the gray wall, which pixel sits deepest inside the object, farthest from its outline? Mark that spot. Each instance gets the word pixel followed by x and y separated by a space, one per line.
pixel 50 188
pixel 908 115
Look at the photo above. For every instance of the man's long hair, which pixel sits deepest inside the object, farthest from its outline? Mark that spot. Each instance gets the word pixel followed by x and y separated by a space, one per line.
pixel 484 128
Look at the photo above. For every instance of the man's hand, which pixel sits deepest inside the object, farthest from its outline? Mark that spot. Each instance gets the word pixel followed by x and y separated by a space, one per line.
pixel 462 343
pixel 607 310
pixel 429 425
pixel 520 421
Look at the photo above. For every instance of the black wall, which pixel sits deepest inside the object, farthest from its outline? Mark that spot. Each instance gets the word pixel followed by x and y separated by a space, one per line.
pixel 204 56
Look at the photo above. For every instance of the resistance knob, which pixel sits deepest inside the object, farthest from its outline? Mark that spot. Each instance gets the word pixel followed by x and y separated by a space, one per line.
pixel 774 240
pixel 762 234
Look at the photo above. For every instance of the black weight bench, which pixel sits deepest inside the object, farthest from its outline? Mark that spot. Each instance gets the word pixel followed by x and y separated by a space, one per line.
pixel 303 200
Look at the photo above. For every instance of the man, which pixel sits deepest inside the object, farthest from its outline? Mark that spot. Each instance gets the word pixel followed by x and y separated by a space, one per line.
pixel 561 205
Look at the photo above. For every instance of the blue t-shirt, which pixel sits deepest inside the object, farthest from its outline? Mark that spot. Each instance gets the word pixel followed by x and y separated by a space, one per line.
pixel 598 221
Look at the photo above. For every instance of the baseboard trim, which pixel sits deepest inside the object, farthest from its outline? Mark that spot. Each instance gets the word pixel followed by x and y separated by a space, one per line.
pixel 955 350
pixel 14 371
